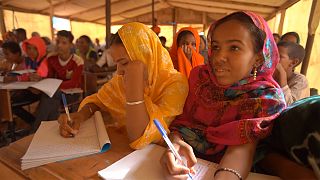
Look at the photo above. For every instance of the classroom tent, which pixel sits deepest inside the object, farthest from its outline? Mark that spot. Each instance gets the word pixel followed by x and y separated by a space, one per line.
pixel 88 17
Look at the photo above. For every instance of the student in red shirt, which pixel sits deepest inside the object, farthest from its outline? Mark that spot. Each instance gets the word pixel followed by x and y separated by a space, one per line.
pixel 65 66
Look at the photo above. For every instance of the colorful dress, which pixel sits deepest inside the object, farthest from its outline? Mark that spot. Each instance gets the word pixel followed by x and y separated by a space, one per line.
pixel 164 96
pixel 216 116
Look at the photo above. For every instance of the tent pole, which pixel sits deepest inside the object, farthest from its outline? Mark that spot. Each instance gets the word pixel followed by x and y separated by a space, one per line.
pixel 108 23
pixel 204 22
pixel 2 24
pixel 283 15
pixel 153 20
pixel 51 20
pixel 174 22
pixel 312 27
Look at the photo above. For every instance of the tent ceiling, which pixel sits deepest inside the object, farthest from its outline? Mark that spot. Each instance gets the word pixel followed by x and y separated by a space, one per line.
pixel 187 11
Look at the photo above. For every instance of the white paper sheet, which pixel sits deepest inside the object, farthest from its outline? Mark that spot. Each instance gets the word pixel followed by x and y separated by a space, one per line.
pixel 145 164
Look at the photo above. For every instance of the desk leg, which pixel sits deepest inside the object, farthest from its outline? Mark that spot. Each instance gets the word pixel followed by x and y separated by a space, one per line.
pixel 6 111
pixel 5 104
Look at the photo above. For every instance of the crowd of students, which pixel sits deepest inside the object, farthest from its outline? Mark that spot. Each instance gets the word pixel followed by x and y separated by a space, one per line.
pixel 232 98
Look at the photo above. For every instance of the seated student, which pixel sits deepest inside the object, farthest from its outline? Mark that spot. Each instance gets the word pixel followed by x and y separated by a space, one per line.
pixel 105 62
pixel 184 51
pixel 36 58
pixel 163 41
pixel 14 60
pixel 86 51
pixel 146 87
pixel 232 100
pixel 291 37
pixel 294 85
pixel 6 63
pixel 65 66
pixel 13 55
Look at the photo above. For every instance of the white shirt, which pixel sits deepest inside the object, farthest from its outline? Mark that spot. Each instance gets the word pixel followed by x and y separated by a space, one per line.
pixel 106 58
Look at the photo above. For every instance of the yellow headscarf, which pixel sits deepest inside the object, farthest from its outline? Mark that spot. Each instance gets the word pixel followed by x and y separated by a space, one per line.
pixel 167 90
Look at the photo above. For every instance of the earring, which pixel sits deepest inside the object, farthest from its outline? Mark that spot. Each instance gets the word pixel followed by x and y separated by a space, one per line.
pixel 255 73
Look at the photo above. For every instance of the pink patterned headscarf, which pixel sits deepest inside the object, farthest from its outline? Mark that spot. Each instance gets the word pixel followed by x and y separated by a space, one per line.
pixel 216 116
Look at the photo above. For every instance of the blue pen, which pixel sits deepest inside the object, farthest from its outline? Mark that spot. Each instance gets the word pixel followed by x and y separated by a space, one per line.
pixel 64 100
pixel 169 143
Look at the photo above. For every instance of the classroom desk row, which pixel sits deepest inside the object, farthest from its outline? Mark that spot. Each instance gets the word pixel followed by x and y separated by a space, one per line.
pixel 80 168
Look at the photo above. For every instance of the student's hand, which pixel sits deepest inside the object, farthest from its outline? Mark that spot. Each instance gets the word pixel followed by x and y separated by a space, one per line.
pixel 172 168
pixel 187 51
pixel 9 79
pixel 135 80
pixel 67 129
pixel 34 77
pixel 280 75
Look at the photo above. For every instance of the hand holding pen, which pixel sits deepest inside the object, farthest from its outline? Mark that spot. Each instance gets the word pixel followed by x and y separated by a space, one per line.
pixel 68 126
pixel 172 162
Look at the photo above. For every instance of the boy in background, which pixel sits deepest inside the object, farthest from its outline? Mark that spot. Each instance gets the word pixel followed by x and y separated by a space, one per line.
pixel 294 85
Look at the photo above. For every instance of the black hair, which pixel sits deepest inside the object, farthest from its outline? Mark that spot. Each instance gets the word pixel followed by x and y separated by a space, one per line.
pixel 182 34
pixel 295 51
pixel 13 47
pixel 46 40
pixel 115 39
pixel 66 34
pixel 162 38
pixel 296 35
pixel 87 39
pixel 276 35
pixel 257 35
pixel 21 31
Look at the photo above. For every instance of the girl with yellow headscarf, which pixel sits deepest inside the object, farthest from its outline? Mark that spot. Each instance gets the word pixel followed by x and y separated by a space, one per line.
pixel 146 87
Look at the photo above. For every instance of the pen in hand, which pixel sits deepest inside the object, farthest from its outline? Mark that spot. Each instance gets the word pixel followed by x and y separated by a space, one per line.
pixel 64 100
pixel 169 143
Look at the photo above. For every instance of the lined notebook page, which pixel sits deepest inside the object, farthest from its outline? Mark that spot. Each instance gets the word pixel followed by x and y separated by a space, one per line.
pixel 48 145
pixel 47 141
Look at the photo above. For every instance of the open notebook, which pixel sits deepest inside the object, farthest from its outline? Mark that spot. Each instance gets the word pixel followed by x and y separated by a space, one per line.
pixel 48 85
pixel 48 146
pixel 145 164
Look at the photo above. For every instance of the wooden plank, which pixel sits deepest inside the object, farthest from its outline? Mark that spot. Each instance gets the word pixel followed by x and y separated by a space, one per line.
pixel 230 5
pixel 204 21
pixel 43 11
pixel 286 5
pixel 51 19
pixel 108 23
pixel 7 173
pixel 86 11
pixel 2 24
pixel 5 2
pixel 312 27
pixel 174 22
pixel 282 18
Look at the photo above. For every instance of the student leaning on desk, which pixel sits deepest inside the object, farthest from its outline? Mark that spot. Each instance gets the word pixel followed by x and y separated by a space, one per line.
pixel 146 87
pixel 35 49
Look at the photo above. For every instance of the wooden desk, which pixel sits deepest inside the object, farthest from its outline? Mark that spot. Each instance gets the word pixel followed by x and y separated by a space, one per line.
pixel 79 168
